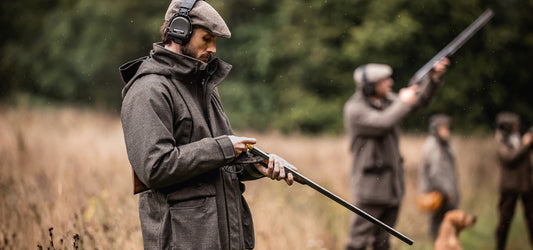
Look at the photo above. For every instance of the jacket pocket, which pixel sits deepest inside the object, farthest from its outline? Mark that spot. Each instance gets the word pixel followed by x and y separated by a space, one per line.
pixel 194 224
pixel 376 186
pixel 190 191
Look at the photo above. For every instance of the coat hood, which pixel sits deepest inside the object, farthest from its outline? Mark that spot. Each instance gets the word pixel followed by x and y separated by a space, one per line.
pixel 167 63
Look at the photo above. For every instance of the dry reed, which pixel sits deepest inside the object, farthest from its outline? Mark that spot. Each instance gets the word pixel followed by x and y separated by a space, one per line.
pixel 67 169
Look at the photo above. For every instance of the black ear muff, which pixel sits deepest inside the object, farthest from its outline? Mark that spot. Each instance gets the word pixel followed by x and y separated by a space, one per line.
pixel 180 30
pixel 368 87
pixel 180 26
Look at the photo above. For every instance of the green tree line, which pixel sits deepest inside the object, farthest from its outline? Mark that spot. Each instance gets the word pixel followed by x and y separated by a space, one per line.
pixel 293 59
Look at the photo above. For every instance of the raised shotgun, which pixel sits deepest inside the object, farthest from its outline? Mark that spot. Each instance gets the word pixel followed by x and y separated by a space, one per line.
pixel 453 46
pixel 298 177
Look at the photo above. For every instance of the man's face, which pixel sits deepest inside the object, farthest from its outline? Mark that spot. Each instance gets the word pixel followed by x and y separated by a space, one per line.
pixel 202 45
pixel 384 87
pixel 444 132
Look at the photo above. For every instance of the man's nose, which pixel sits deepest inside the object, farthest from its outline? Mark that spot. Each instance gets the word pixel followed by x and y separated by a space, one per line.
pixel 212 47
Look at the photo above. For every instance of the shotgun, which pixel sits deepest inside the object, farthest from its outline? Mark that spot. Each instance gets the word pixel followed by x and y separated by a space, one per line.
pixel 306 181
pixel 453 46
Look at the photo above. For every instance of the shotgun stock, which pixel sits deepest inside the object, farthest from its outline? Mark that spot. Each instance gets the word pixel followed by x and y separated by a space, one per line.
pixel 306 181
pixel 138 185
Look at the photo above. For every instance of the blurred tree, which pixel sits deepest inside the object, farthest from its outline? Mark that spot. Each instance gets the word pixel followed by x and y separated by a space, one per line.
pixel 305 52
pixel 71 51
pixel 293 59
pixel 18 23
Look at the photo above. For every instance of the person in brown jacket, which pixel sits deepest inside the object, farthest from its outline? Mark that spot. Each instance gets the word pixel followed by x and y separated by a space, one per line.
pixel 372 116
pixel 516 179
pixel 179 140
pixel 437 171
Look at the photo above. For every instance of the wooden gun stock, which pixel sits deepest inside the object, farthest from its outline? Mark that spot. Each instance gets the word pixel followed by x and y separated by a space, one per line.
pixel 138 185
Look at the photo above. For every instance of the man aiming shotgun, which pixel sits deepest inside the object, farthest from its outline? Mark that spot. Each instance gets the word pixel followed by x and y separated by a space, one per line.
pixel 372 117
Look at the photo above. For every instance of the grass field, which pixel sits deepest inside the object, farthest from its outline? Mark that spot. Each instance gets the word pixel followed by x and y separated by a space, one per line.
pixel 67 169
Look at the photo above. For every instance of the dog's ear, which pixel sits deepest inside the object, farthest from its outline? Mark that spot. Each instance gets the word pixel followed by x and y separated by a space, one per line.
pixel 455 217
pixel 469 220
pixel 460 219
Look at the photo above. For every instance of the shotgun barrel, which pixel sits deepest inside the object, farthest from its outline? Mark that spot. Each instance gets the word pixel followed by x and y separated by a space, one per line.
pixel 453 46
pixel 304 180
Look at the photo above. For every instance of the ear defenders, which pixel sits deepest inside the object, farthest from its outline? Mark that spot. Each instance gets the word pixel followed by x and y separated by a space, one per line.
pixel 368 87
pixel 180 26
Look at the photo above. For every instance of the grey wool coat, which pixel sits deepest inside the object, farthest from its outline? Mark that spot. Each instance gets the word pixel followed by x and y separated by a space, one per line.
pixel 438 171
pixel 373 133
pixel 176 135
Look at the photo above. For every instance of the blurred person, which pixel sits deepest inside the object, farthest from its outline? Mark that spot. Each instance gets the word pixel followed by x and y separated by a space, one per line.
pixel 180 143
pixel 372 116
pixel 437 171
pixel 516 178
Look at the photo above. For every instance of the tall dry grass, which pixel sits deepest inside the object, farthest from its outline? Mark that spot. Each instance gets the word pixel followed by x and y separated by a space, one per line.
pixel 67 169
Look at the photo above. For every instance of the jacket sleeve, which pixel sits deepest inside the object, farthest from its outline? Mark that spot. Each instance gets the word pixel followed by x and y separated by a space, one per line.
pixel 147 122
pixel 373 122
pixel 509 156
pixel 427 90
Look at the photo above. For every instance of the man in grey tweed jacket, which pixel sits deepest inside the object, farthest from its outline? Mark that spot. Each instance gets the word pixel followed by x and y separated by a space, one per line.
pixel 180 143
pixel 371 117
pixel 437 171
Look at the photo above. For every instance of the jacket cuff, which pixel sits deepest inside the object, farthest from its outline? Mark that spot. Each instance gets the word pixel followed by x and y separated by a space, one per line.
pixel 253 172
pixel 225 145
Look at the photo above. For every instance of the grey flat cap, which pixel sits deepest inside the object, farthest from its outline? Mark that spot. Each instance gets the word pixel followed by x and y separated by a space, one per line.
pixel 202 14
pixel 374 72
pixel 507 118
pixel 437 120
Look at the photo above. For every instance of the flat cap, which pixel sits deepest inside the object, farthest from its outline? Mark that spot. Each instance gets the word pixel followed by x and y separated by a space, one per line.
pixel 438 120
pixel 507 118
pixel 202 14
pixel 373 72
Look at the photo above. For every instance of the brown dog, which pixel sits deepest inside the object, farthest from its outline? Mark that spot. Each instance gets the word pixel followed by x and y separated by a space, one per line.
pixel 454 221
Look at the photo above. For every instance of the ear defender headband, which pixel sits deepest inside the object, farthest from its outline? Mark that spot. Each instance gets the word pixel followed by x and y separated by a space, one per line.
pixel 180 26
pixel 368 87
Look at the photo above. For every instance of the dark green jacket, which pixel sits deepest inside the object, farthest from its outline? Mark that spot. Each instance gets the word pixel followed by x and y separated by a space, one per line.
pixel 176 135
pixel 516 168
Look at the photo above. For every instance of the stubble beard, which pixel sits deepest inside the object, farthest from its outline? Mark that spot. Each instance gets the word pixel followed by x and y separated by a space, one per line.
pixel 187 50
